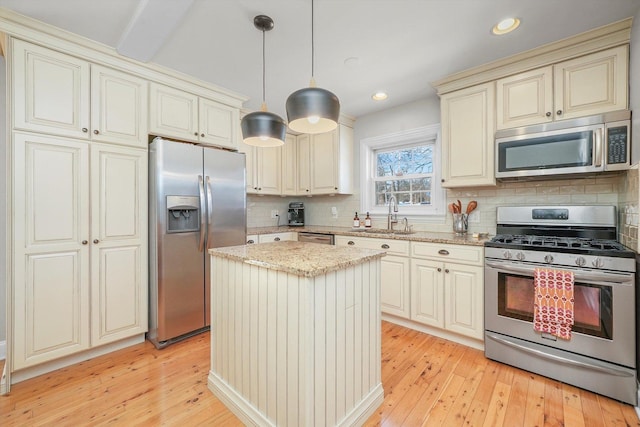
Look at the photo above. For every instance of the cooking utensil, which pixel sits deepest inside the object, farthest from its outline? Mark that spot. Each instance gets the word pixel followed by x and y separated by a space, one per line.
pixel 471 206
pixel 459 206
pixel 452 208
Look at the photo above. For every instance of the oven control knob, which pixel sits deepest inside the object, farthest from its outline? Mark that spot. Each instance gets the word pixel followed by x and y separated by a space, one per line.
pixel 520 256
pixel 597 263
pixel 506 254
pixel 548 259
pixel 580 261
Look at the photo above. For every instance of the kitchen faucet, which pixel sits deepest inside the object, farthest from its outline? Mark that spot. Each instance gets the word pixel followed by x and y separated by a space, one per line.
pixel 392 218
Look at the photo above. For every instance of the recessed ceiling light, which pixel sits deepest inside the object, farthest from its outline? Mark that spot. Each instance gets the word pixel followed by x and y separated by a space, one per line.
pixel 379 96
pixel 505 26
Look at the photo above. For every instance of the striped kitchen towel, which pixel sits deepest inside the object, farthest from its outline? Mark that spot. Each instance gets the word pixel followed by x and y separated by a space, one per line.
pixel 553 306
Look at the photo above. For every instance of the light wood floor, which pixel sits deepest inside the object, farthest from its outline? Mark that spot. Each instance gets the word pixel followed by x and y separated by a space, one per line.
pixel 427 381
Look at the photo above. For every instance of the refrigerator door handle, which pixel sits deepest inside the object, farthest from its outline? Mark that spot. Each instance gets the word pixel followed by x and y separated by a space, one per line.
pixel 209 207
pixel 202 214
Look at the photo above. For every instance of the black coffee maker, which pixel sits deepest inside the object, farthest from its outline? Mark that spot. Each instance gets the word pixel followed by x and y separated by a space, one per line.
pixel 296 214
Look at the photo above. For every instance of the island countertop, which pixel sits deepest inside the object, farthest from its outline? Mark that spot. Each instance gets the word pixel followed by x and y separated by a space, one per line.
pixel 299 258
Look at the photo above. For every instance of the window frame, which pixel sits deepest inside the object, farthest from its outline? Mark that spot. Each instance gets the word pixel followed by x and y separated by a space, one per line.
pixel 368 146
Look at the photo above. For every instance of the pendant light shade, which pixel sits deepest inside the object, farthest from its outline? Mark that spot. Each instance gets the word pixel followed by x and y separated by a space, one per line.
pixel 312 109
pixel 262 128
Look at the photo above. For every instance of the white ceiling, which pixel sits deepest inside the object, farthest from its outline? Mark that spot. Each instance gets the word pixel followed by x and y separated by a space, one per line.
pixel 400 45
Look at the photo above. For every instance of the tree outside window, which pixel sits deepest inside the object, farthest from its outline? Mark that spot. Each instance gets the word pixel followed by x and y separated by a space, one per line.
pixel 406 173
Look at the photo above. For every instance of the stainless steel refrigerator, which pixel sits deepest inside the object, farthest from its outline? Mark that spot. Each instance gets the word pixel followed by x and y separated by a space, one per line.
pixel 197 201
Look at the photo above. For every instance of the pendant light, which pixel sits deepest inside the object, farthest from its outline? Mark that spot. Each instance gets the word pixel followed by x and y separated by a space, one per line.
pixel 312 109
pixel 262 128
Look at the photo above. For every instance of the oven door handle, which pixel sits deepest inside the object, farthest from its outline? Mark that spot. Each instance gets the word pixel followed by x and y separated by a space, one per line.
pixel 592 276
pixel 594 366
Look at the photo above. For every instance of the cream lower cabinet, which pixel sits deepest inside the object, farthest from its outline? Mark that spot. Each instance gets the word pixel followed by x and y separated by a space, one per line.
pixel 583 86
pixel 447 287
pixel 80 244
pixel 468 126
pixel 394 273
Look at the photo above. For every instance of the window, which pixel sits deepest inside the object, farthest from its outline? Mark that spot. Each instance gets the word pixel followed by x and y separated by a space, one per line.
pixel 403 165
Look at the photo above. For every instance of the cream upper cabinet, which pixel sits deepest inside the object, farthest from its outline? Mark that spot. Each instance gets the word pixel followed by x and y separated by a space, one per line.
pixel 583 86
pixel 59 94
pixel 468 126
pixel 290 166
pixel 81 246
pixel 331 161
pixel 119 243
pixel 263 169
pixel 304 164
pixel 185 116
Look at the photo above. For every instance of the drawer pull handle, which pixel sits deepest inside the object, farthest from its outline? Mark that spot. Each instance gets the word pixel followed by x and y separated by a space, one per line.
pixel 250 241
pixel 443 252
pixel 385 246
pixel 276 239
pixel 351 243
pixel 439 269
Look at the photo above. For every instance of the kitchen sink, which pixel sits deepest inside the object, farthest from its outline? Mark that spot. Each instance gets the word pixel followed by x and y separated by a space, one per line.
pixel 387 231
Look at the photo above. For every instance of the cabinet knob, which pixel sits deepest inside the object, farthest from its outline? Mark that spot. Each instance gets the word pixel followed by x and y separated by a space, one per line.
pixel 443 252
pixel 85 130
pixel 84 242
pixel 195 133
pixel 96 241
pixel 96 131
pixel 559 112
pixel 439 269
pixel 548 114
pixel 250 241
pixel 306 190
pixel 335 188
pixel 446 270
pixel 442 180
pixel 260 188
pixel 276 239
pixel 351 243
pixel 385 246
pixel 202 135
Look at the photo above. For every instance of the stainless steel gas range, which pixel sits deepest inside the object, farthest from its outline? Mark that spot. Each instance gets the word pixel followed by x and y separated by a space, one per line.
pixel 601 354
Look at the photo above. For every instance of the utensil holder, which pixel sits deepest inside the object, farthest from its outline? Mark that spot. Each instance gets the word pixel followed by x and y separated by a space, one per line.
pixel 460 223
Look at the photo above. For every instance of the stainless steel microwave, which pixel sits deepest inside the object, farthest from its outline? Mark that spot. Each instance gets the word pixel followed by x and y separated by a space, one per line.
pixel 585 145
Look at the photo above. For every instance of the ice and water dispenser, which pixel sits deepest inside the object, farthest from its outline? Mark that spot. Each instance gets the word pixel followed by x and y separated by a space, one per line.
pixel 183 214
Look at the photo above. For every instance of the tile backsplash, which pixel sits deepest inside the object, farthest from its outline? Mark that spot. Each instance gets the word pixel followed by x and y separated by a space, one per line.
pixel 620 190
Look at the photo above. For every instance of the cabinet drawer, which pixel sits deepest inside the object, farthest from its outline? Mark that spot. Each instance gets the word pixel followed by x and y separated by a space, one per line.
pixel 277 237
pixel 392 246
pixel 445 252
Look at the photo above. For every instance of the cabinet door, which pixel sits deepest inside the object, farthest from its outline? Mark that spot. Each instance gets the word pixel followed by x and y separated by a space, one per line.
pixel 118 107
pixel 427 301
pixel 592 84
pixel 51 91
pixel 217 124
pixel 269 170
pixel 118 243
pixel 50 239
pixel 468 124
pixel 394 286
pixel 304 164
pixel 324 163
pixel 525 99
pixel 464 300
pixel 290 166
pixel 173 113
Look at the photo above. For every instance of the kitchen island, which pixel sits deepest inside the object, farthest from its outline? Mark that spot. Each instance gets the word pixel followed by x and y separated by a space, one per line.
pixel 295 333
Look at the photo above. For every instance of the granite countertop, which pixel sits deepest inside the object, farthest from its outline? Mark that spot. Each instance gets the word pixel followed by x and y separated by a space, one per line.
pixel 419 236
pixel 299 258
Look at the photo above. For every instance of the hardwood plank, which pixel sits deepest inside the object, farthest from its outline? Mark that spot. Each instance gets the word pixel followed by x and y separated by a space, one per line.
pixel 427 381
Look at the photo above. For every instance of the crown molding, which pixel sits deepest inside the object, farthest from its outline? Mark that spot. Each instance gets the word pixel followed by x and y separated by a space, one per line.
pixel 34 31
pixel 601 38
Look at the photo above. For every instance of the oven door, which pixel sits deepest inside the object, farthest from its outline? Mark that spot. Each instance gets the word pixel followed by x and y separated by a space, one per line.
pixel 604 310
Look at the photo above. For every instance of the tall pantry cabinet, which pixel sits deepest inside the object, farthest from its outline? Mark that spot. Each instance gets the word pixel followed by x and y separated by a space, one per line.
pixel 79 200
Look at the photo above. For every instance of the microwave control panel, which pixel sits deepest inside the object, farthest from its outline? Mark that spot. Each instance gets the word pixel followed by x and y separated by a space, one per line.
pixel 617 145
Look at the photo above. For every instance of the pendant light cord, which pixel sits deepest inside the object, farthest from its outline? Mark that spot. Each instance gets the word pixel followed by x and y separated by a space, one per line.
pixel 264 97
pixel 312 45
